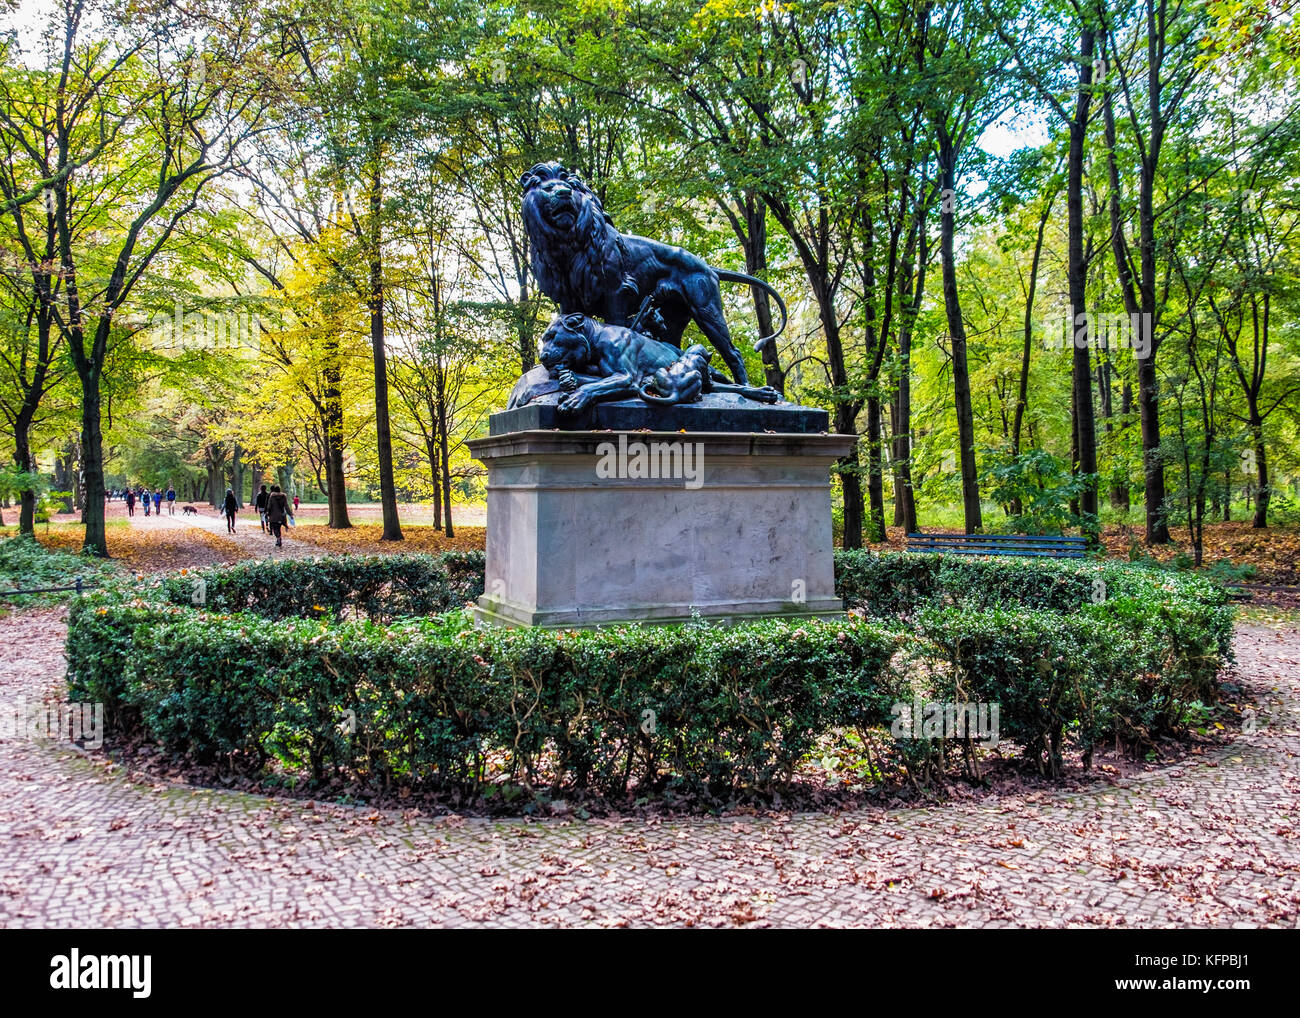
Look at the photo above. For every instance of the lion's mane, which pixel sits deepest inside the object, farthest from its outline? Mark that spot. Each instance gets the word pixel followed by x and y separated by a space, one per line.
pixel 580 266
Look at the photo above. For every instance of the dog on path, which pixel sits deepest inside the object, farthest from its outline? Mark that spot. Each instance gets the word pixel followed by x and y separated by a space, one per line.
pixel 189 510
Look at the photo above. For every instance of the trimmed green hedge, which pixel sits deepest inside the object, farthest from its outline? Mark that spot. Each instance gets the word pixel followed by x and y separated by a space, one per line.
pixel 1095 650
pixel 377 587
pixel 436 699
pixel 897 584
pixel 267 669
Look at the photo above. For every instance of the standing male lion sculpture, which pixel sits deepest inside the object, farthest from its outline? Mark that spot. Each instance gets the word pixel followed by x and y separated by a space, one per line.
pixel 586 266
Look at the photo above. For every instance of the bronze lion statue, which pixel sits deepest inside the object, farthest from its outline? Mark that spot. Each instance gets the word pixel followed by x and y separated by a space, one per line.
pixel 586 266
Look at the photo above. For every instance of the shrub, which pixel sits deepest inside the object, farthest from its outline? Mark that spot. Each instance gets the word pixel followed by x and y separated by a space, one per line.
pixel 280 652
pixel 1097 650
pixel 439 702
pixel 26 564
pixel 891 585
pixel 376 587
pixel 1042 485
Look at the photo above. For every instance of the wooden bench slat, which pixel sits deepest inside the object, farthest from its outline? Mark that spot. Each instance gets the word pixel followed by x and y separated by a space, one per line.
pixel 1011 553
pixel 1060 538
pixel 1003 545
pixel 968 550
pixel 1006 544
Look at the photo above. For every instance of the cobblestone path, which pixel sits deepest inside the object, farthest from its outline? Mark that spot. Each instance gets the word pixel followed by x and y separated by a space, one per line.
pixel 1209 842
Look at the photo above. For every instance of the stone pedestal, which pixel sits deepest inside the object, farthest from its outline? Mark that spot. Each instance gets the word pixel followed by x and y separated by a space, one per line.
pixel 595 527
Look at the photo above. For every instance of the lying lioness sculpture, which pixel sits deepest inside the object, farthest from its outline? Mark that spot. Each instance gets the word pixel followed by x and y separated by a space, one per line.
pixel 597 363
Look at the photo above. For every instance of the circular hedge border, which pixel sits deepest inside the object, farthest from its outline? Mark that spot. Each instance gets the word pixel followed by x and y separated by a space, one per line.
pixel 366 668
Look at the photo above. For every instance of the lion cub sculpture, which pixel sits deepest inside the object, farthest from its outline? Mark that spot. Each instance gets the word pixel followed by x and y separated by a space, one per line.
pixel 598 363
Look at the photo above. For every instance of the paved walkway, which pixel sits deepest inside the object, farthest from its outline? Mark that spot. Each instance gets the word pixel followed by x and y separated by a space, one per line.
pixel 248 533
pixel 1210 842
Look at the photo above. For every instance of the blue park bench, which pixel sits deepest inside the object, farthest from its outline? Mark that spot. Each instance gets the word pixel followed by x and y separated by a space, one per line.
pixel 1028 545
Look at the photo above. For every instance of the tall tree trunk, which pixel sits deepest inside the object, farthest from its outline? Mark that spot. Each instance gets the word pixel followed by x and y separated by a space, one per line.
pixel 237 473
pixel 383 428
pixel 32 391
pixel 755 247
pixel 812 246
pixel 1022 391
pixel 92 467
pixel 1262 495
pixel 435 473
pixel 1140 299
pixel 337 483
pixel 332 430
pixel 850 483
pixel 1085 423
pixel 23 461
pixel 1152 464
pixel 287 481
pixel 524 324
pixel 64 474
pixel 79 478
pixel 443 442
pixel 875 470
pixel 901 449
pixel 910 304
pixel 1119 494
pixel 970 492
pixel 215 494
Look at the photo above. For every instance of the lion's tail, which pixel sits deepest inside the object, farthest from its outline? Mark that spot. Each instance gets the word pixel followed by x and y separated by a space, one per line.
pixel 650 397
pixel 727 276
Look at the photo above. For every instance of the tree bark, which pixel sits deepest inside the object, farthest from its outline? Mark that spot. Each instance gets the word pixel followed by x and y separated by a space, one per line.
pixel 435 474
pixel 1262 493
pixel 957 336
pixel 383 428
pixel 1085 422
pixel 910 305
pixel 1140 299
pixel 92 467
pixel 237 473
pixel 332 429
pixel 875 470
pixel 755 247
pixel 449 529
pixel 23 461
pixel 1022 392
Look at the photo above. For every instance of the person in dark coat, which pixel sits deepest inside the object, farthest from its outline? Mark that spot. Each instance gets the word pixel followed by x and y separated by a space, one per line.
pixel 231 507
pixel 277 511
pixel 259 503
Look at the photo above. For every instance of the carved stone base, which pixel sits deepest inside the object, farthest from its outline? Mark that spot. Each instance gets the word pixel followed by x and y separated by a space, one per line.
pixel 587 528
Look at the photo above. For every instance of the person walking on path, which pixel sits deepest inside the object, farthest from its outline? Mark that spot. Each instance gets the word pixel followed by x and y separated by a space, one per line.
pixel 171 501
pixel 157 502
pixel 130 502
pixel 295 503
pixel 146 499
pixel 231 506
pixel 259 503
pixel 277 511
